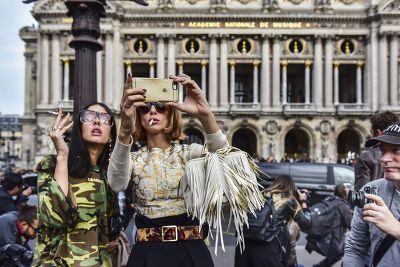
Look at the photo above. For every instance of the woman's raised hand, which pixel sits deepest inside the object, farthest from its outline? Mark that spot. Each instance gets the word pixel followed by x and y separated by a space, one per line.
pixel 60 126
pixel 131 99
pixel 195 102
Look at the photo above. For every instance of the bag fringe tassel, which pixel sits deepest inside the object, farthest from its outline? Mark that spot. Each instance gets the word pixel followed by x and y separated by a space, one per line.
pixel 228 175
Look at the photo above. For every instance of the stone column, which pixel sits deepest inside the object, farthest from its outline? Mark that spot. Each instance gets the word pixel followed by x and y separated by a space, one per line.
pixel 66 80
pixel 383 70
pixel 255 81
pixel 151 66
pixel 223 73
pixel 160 57
pixel 232 64
pixel 44 99
pixel 128 64
pixel 394 70
pixel 276 82
pixel 336 65
pixel 118 70
pixel 265 75
pixel 171 56
pixel 29 100
pixel 180 87
pixel 367 75
pixel 55 69
pixel 213 73
pixel 99 71
pixel 359 82
pixel 108 81
pixel 374 66
pixel 317 70
pixel 284 64
pixel 38 93
pixel 204 76
pixel 328 73
pixel 307 79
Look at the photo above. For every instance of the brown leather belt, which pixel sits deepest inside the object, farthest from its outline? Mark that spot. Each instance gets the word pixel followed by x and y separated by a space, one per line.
pixel 170 233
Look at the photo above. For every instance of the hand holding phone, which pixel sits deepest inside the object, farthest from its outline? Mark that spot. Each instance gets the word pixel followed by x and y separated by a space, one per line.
pixel 158 90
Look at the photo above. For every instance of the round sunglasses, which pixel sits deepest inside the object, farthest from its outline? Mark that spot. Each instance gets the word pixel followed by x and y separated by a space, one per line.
pixel 160 107
pixel 89 116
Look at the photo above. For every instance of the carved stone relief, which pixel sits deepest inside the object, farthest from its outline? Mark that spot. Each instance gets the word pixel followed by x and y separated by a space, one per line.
pixel 271 127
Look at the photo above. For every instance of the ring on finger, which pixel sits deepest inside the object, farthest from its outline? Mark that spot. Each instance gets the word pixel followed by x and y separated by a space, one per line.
pixel 59 127
pixel 126 106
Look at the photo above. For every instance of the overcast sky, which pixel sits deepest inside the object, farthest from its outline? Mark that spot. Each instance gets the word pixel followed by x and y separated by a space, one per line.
pixel 13 16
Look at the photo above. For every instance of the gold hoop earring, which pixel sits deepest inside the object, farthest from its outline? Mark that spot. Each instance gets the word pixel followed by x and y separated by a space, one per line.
pixel 109 148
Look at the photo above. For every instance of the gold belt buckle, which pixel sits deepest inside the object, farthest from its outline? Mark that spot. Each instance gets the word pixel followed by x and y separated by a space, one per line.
pixel 166 227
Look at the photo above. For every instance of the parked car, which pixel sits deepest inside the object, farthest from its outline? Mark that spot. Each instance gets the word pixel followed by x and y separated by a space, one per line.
pixel 319 179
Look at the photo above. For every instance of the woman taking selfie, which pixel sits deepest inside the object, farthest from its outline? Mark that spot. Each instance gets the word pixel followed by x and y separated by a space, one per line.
pixel 166 236
pixel 75 201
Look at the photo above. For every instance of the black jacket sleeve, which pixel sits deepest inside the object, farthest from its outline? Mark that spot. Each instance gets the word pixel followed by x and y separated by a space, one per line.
pixel 7 203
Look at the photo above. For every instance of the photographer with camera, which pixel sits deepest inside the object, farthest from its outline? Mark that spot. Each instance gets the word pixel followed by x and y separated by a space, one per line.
pixel 12 186
pixel 372 241
pixel 16 231
pixel 368 166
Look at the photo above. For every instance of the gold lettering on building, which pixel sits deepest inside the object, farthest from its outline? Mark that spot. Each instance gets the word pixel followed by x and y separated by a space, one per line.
pixel 245 24
pixel 204 24
pixel 289 25
pixel 238 24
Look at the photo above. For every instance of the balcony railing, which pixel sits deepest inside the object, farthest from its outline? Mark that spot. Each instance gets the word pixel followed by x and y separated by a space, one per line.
pixel 352 108
pixel 245 107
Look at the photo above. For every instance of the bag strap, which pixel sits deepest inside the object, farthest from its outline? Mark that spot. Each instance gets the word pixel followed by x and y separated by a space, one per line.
pixel 271 204
pixel 382 249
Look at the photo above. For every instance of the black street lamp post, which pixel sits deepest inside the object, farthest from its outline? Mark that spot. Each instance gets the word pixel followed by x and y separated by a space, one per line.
pixel 86 30
pixel 86 16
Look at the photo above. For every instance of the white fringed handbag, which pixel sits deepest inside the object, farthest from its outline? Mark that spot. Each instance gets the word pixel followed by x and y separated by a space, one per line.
pixel 228 175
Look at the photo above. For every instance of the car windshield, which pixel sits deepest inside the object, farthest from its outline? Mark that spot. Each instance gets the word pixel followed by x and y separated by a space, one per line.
pixel 310 174
pixel 343 175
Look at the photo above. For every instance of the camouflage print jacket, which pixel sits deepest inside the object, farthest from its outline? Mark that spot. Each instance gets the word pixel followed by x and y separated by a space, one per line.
pixel 73 229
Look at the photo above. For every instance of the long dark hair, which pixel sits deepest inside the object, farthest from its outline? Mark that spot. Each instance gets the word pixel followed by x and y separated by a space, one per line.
pixel 78 158
pixel 283 184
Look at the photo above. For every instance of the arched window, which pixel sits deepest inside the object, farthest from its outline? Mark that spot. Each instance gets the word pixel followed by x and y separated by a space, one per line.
pixel 348 146
pixel 246 140
pixel 193 136
pixel 297 145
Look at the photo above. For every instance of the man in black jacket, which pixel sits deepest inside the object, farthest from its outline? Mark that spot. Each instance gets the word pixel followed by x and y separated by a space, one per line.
pixel 12 186
pixel 368 167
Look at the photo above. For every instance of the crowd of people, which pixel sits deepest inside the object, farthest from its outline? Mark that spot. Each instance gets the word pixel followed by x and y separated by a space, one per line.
pixel 77 218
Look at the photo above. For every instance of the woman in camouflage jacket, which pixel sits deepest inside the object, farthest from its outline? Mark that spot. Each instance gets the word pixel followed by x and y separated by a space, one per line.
pixel 75 200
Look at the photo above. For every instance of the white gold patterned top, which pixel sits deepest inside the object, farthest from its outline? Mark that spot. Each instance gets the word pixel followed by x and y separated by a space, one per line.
pixel 156 174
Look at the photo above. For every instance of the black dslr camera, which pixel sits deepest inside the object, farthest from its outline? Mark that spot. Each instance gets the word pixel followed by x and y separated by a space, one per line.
pixel 358 198
pixel 12 255
pixel 34 188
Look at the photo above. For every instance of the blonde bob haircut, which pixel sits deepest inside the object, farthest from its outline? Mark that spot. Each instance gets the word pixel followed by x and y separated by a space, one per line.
pixel 173 129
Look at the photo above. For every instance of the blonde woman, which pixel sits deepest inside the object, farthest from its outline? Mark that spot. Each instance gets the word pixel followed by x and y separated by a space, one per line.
pixel 166 236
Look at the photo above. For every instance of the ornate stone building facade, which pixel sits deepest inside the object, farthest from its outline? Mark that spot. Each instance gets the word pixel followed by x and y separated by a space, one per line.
pixel 295 78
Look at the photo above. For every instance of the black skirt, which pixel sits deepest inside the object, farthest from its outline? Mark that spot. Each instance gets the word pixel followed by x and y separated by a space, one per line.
pixel 188 253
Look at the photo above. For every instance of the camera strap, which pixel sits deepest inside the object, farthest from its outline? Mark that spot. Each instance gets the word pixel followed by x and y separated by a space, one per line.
pixel 383 247
pixel 386 243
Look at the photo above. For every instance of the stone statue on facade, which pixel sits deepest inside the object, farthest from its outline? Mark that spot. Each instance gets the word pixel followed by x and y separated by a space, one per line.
pixel 322 5
pixel 166 5
pixel 270 5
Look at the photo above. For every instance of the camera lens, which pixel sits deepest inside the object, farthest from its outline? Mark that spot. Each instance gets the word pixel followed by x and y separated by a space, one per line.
pixel 356 198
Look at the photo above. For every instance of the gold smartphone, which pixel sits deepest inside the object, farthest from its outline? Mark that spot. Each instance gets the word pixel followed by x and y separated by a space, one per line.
pixel 158 90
